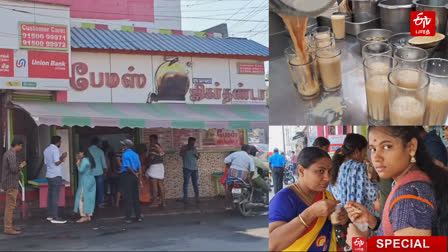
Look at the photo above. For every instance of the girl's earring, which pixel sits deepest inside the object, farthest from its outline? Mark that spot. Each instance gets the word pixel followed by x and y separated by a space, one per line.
pixel 413 158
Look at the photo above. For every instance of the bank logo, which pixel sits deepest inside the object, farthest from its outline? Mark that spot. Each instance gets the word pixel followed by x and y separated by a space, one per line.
pixel 21 63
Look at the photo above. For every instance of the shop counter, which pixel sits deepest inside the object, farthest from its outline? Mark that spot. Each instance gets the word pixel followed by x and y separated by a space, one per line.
pixel 42 184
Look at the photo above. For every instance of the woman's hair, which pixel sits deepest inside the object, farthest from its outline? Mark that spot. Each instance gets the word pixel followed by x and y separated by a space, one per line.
pixel 88 155
pixel 352 143
pixel 311 155
pixel 437 174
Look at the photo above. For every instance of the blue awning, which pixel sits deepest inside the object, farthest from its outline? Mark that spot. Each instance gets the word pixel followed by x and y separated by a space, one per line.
pixel 143 41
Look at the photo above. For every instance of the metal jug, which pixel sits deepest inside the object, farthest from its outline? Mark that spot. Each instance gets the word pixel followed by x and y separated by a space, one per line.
pixel 364 10
pixel 300 8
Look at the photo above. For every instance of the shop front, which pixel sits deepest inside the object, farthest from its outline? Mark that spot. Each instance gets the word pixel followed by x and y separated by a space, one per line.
pixel 115 94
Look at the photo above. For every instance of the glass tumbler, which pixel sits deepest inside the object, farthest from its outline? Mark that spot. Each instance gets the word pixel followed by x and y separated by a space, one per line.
pixel 407 102
pixel 436 112
pixel 376 69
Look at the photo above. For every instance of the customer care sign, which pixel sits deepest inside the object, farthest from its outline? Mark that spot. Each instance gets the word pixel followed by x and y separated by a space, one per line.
pixel 43 36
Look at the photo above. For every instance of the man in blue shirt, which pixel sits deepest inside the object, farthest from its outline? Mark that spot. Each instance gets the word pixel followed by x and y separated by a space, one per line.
pixel 130 174
pixel 277 164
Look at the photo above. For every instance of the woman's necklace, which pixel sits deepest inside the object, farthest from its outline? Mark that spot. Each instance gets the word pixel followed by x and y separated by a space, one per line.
pixel 409 169
pixel 308 199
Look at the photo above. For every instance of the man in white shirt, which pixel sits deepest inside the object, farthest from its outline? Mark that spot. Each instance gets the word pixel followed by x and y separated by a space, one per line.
pixel 53 161
pixel 241 167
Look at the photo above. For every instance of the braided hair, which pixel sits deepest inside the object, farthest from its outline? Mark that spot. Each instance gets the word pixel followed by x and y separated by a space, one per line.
pixel 352 143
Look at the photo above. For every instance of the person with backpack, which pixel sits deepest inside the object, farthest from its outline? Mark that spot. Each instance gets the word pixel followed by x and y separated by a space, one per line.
pixel 418 202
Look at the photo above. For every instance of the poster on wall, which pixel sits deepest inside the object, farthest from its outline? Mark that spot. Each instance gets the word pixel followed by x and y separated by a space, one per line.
pixel 336 142
pixel 43 36
pixel 222 139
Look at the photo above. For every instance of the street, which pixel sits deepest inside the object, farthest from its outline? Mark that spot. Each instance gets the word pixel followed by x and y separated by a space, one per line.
pixel 199 232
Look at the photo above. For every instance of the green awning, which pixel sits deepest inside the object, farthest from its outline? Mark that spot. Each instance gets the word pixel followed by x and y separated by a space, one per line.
pixel 188 116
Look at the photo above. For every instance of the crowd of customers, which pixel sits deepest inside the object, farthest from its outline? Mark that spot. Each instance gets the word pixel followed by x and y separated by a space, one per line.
pixel 391 184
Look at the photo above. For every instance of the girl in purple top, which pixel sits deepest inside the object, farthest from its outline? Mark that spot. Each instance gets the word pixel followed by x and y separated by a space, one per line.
pixel 418 202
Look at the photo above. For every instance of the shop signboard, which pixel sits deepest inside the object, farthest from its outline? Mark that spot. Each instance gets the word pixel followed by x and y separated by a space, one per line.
pixel 222 138
pixel 43 36
pixel 6 62
pixel 52 65
pixel 39 70
pixel 130 78
pixel 336 142
pixel 250 68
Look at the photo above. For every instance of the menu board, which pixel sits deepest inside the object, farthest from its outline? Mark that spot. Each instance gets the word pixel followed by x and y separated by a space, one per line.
pixel 222 139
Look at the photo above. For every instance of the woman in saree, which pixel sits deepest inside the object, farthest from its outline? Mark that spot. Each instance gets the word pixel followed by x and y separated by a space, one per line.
pixel 86 193
pixel 299 214
pixel 418 202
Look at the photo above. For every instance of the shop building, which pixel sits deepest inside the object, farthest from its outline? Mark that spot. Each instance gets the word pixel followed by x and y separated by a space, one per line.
pixel 130 82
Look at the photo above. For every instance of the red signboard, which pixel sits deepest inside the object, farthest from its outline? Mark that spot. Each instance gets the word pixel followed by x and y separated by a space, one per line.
pixel 43 36
pixel 423 23
pixel 6 63
pixel 221 138
pixel 51 65
pixel 250 68
pixel 407 243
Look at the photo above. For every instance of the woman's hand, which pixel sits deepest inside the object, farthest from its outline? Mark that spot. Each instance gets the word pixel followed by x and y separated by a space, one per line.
pixel 357 212
pixel 78 162
pixel 353 231
pixel 323 208
pixel 341 218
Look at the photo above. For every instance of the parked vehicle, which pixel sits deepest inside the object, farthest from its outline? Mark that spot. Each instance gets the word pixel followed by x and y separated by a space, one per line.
pixel 288 174
pixel 248 198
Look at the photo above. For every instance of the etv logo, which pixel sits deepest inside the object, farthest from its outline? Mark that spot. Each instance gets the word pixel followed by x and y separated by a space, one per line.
pixel 21 63
pixel 423 23
pixel 359 244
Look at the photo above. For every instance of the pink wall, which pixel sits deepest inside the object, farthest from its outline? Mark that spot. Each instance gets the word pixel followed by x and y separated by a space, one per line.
pixel 134 10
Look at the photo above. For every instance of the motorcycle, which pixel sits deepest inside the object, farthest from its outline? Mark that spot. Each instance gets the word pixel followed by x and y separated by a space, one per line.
pixel 288 175
pixel 247 197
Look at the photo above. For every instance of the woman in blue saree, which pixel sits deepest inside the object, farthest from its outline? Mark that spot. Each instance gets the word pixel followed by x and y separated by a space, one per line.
pixel 299 215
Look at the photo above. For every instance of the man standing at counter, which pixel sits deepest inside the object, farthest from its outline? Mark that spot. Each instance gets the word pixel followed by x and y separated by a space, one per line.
pixel 190 156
